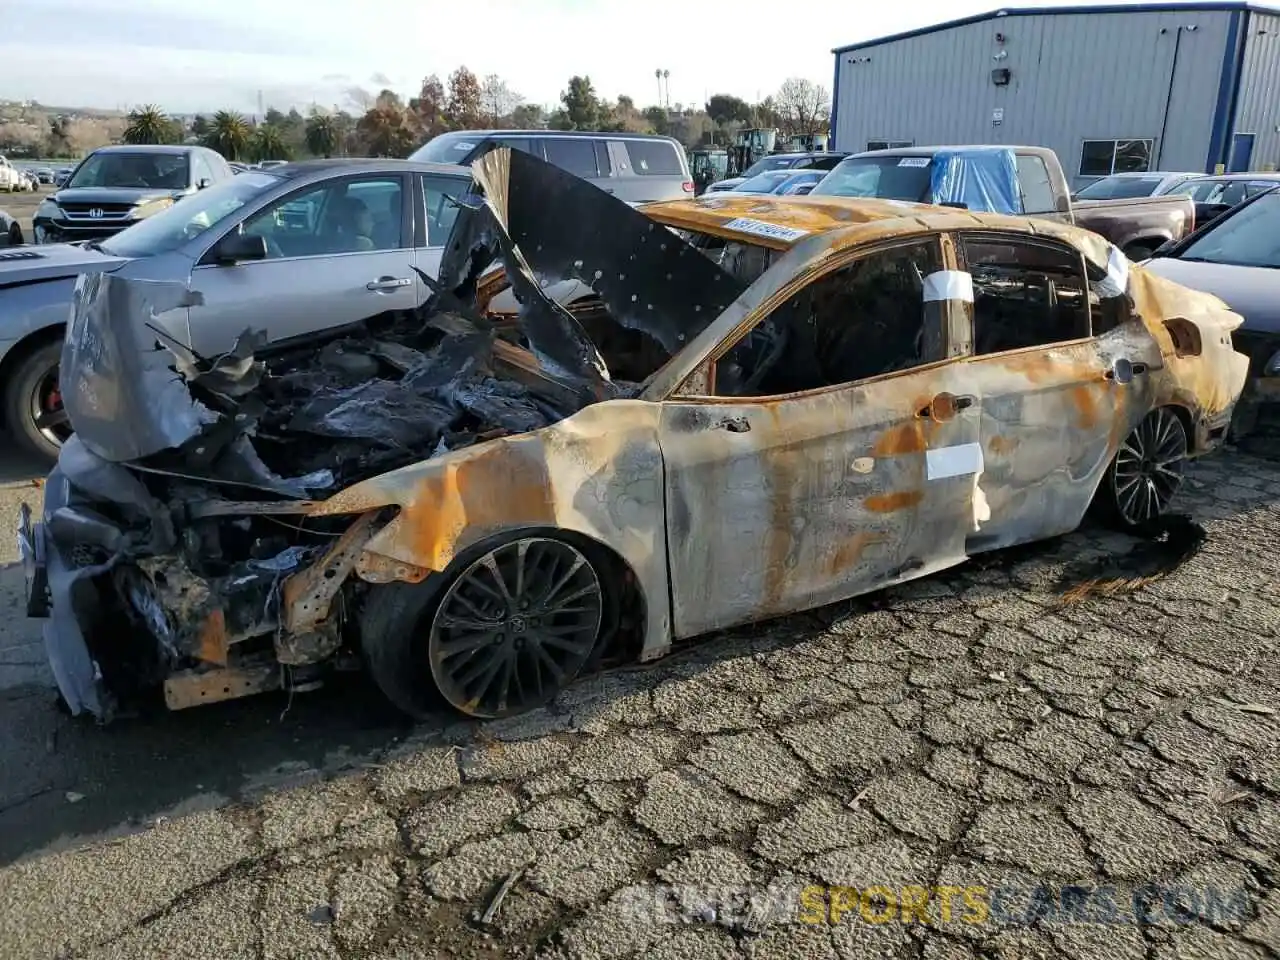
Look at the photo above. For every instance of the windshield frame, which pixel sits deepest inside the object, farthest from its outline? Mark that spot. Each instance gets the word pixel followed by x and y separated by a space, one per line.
pixel 1225 222
pixel 253 188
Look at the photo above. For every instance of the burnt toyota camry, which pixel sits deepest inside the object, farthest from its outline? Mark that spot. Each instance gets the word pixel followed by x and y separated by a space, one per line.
pixel 766 404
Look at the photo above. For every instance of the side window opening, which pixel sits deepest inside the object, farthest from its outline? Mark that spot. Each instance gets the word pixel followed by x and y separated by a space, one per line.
pixel 1026 294
pixel 864 320
pixel 575 154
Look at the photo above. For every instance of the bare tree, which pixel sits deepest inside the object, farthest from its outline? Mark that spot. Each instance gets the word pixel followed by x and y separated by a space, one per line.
pixel 497 99
pixel 803 107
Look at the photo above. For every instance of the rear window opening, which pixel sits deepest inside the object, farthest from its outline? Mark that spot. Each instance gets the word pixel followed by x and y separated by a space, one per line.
pixel 654 158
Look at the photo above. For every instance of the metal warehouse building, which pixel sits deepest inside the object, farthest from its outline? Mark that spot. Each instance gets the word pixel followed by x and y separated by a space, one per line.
pixel 1110 88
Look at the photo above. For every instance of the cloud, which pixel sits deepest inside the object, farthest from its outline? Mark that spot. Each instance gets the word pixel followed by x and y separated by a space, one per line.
pixel 93 53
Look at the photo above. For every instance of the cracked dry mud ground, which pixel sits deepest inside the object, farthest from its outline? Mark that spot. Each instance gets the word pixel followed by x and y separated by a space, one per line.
pixel 972 728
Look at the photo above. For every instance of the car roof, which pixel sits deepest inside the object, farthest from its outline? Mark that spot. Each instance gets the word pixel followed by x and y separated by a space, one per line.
pixel 1237 176
pixel 148 148
pixel 305 168
pixel 806 153
pixel 590 134
pixel 750 216
pixel 1135 174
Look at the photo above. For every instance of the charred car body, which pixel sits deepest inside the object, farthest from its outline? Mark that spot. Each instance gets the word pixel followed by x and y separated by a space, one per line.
pixel 775 403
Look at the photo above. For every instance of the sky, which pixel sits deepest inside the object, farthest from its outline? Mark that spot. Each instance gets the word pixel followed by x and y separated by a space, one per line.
pixel 189 57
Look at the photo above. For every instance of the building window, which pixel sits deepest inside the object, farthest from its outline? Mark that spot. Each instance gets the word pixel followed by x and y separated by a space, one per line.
pixel 1101 158
pixel 889 144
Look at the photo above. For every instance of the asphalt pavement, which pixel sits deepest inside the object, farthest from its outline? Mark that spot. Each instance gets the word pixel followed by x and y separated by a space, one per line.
pixel 1021 741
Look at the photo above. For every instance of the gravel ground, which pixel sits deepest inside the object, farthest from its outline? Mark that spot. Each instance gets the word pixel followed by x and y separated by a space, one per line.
pixel 1000 731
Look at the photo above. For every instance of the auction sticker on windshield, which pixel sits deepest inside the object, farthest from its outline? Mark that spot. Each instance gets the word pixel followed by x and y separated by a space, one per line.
pixel 762 229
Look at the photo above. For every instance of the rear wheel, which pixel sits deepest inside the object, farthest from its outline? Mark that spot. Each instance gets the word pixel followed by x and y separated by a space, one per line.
pixel 15 236
pixel 1147 470
pixel 33 407
pixel 508 627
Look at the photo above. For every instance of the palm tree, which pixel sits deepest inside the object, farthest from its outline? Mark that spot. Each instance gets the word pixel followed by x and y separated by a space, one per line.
pixel 268 144
pixel 323 135
pixel 148 125
pixel 229 134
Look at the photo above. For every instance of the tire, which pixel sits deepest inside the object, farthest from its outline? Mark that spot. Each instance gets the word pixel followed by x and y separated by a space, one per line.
pixel 23 382
pixel 408 639
pixel 15 236
pixel 1146 473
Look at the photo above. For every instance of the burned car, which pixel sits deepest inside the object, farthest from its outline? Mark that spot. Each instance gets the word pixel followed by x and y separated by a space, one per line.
pixel 773 403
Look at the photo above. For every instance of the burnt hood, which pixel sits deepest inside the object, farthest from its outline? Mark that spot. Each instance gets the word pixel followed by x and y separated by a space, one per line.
pixel 133 391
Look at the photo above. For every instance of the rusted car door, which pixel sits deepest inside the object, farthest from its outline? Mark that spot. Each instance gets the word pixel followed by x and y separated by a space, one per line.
pixel 835 475
pixel 1053 412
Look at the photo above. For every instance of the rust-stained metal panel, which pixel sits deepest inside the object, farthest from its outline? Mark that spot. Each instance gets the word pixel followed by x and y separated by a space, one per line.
pixel 194 688
pixel 597 473
pixel 785 503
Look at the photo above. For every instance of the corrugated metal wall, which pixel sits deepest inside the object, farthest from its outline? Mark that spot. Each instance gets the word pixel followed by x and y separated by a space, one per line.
pixel 1075 77
pixel 1258 109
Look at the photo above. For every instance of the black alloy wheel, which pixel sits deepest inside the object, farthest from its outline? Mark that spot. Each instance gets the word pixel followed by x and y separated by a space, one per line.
pixel 515 626
pixel 1148 469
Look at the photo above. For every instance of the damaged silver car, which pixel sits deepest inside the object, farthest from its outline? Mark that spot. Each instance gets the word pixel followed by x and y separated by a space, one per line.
pixel 770 404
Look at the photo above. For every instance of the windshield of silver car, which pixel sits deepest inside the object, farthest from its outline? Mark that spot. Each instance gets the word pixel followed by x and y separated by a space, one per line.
pixel 189 217
pixel 132 171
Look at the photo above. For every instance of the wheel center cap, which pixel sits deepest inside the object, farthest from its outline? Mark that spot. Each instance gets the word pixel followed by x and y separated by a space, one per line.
pixel 517 625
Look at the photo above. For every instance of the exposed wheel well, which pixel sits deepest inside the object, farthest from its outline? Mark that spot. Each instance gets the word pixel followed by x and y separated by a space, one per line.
pixel 23 348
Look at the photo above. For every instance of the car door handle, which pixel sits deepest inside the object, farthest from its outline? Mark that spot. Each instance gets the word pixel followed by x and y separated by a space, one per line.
pixel 387 283
pixel 945 406
pixel 734 424
pixel 1123 370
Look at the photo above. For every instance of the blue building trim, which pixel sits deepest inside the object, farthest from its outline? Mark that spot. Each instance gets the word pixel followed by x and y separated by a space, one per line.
pixel 1228 93
pixel 835 107
pixel 1228 6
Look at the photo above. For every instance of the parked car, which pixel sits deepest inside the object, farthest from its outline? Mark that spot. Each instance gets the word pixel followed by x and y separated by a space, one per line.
pixel 342 238
pixel 44 175
pixel 782 182
pixel 60 177
pixel 1126 186
pixel 637 168
pixel 10 232
pixel 815 160
pixel 1237 258
pixel 237 167
pixel 11 178
pixel 115 187
pixel 1008 179
pixel 791 402
pixel 1214 196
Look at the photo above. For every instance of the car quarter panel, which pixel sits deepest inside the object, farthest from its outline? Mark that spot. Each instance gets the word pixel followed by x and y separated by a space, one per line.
pixel 597 473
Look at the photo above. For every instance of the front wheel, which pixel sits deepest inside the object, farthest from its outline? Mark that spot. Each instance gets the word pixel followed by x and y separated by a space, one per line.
pixel 1147 470
pixel 33 409
pixel 502 632
pixel 15 236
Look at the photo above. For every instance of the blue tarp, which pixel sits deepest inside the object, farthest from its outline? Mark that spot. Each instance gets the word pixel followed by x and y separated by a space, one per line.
pixel 985 180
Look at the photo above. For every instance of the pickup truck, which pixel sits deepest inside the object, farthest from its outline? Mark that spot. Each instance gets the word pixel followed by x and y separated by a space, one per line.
pixel 1013 180
pixel 11 178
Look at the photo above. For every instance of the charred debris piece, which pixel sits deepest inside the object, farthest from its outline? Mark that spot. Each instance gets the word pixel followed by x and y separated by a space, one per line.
pixel 174 511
